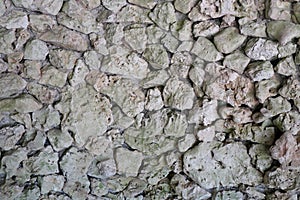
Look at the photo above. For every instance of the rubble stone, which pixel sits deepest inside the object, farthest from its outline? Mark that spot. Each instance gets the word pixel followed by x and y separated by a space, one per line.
pixel 36 50
pixel 206 28
pixel 157 56
pixel 205 49
pixel 261 49
pixel 236 61
pixel 163 15
pixel 128 162
pixel 51 7
pixel 10 85
pixel 259 71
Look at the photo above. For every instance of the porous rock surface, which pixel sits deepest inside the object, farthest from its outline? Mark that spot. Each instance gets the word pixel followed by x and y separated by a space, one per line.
pixel 148 99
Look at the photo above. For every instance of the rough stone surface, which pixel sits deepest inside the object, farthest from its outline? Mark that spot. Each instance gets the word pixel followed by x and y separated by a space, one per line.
pixel 36 50
pixel 205 49
pixel 261 49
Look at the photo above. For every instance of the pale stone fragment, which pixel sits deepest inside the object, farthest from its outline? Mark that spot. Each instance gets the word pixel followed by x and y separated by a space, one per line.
pixel 80 71
pixel 103 166
pixel 170 42
pixel 187 189
pixel 291 89
pixel 197 75
pixel 90 114
pixel 182 30
pixel 99 43
pixel 46 119
pixel 207 134
pixel 283 179
pixel 254 194
pixel 283 31
pixel 66 38
pixel 91 4
pixel 186 142
pixel 135 187
pixel 226 195
pixel 136 37
pixel 77 17
pixel 36 50
pixel 43 93
pixel 7 37
pixel 10 136
pixel 261 157
pixel 59 140
pixel 51 7
pixel 261 49
pixel 35 141
pixel 205 28
pixel 44 164
pixel 61 58
pixel 26 104
pixel 132 14
pixel 157 56
pixel 176 125
pixel 10 85
pixel 259 71
pixel 98 187
pixel 53 76
pixel 41 23
pixel 100 146
pixel 287 50
pixel 274 106
pixel 154 100
pixel 10 190
pixel 53 183
pixel 223 163
pixel 267 88
pixel 289 121
pixel 128 66
pixel 121 120
pixel 155 78
pixel 163 15
pixel 286 66
pixel 144 3
pixel 115 5
pixel 236 61
pixel 278 10
pixel 32 69
pixel 14 19
pixel 184 6
pixel 229 40
pixel 178 94
pixel 286 150
pixel 128 162
pixel 154 34
pixel 254 29
pixel 2 8
pixel 205 49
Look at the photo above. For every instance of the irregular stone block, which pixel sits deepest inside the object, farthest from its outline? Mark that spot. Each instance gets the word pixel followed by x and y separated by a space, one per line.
pixel 36 50
pixel 53 76
pixel 51 7
pixel 163 15
pixel 259 71
pixel 206 28
pixel 229 40
pixel 205 49
pixel 254 29
pixel 14 19
pixel 10 136
pixel 59 140
pixel 41 23
pixel 236 61
pixel 283 31
pixel 52 183
pixel 128 162
pixel 10 85
pixel 157 56
pixel 261 49
pixel 286 66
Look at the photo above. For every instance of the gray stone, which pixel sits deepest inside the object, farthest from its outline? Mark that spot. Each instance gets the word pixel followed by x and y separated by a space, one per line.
pixel 170 42
pixel 52 183
pixel 128 162
pixel 21 104
pixel 267 88
pixel 51 7
pixel 46 119
pixel 286 66
pixel 10 136
pixel 61 58
pixel 226 195
pixel 154 100
pixel 157 56
pixel 259 71
pixel 184 6
pixel 278 10
pixel 114 6
pixel 236 61
pixel 222 165
pixel 206 28
pixel 36 50
pixel 43 93
pixel 163 15
pixel 41 23
pixel 155 78
pixel 283 31
pixel 59 140
pixel 178 94
pixel 66 38
pixel 229 40
pixel 53 76
pixel 260 157
pixel 14 19
pixel 136 37
pixel 275 106
pixel 7 37
pixel 132 14
pixel 10 85
pixel 261 49
pixel 254 29
pixel 205 49
pixel 287 50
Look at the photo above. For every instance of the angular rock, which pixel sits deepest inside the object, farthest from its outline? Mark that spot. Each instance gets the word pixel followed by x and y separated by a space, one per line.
pixel 261 49
pixel 59 140
pixel 176 125
pixel 229 195
pixel 123 92
pixel 46 119
pixel 283 179
pixel 259 71
pixel 182 30
pixel 98 187
pixel 51 7
pixel 136 37
pixel 36 50
pixel 186 142
pixel 53 76
pixel 287 50
pixel 223 164
pixel 144 3
pixel 66 38
pixel 261 157
pixel 114 6
pixel 184 6
pixel 32 69
pixel 133 14
pixel 21 104
pixel 52 183
pixel 103 167
pixel 43 93
pixel 206 134
pixel 14 19
pixel 283 31
pixel 80 71
pixel 90 114
pixel 170 42
pixel 163 15
pixel 155 78
pixel 229 40
pixel 129 66
pixel 154 100
pixel 128 162
pixel 254 29
pixel 154 34
pixel 278 10
pixel 274 106
pixel 206 28
pixel 10 85
pixel 236 61
pixel 7 37
pixel 286 67
pixel 77 17
pixel 205 49
pixel 44 164
pixel 157 56
pixel 10 136
pixel 41 23
pixel 178 94
pixel 61 58
pixel 267 88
